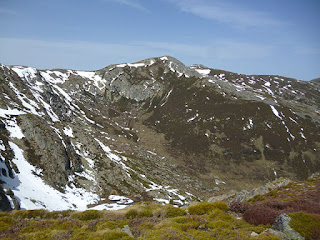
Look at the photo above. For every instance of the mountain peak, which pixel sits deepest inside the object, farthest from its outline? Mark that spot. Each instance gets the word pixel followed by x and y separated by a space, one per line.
pixel 151 130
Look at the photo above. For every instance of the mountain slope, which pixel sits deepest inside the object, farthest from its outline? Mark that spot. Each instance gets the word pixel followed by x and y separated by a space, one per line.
pixel 155 129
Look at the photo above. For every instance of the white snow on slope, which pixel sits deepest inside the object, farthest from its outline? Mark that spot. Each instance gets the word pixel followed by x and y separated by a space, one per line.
pixel 98 81
pixel 8 112
pixel 68 131
pixel 13 127
pixel 204 72
pixel 35 194
pixel 275 111
pixel 27 103
pixel 131 65
pixel 114 157
pixel 25 72
pixel 59 76
pixel 193 118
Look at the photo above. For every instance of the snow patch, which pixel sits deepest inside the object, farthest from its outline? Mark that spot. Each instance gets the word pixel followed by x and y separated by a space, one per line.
pixel 34 193
pixel 275 112
pixel 4 113
pixel 68 131
pixel 204 72
pixel 193 118
pixel 14 129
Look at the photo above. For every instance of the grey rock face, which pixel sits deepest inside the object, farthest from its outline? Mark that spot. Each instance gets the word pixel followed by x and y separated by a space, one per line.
pixel 282 224
pixel 4 201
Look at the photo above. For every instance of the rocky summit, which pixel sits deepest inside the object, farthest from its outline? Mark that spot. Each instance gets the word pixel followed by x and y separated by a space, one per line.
pixel 155 130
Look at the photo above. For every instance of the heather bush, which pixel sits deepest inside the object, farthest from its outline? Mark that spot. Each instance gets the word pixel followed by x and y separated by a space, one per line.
pixel 132 213
pixel 259 214
pixel 239 207
pixel 205 207
pixel 28 214
pixel 140 225
pixel 217 214
pixel 305 205
pixel 274 204
pixel 171 211
pixel 145 212
pixel 88 215
pixel 308 225
pixel 110 235
pixel 165 234
pixel 199 235
pixel 257 198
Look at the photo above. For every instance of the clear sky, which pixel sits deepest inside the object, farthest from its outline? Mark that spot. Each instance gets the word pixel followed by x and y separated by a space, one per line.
pixel 245 36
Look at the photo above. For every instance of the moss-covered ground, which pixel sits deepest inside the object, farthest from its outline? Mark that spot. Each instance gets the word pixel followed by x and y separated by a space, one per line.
pixel 146 221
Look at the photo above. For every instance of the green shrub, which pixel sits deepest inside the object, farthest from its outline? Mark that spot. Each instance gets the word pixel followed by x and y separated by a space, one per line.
pixel 205 207
pixel 165 234
pixel 257 198
pixel 220 205
pixel 145 212
pixel 111 225
pixel 29 214
pixel 111 235
pixel 181 219
pixel 66 225
pixel 88 215
pixel 132 213
pixel 199 235
pixel 217 214
pixel 308 225
pixel 220 225
pixel 171 211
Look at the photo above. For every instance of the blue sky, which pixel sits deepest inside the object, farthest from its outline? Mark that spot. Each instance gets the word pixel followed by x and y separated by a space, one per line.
pixel 248 36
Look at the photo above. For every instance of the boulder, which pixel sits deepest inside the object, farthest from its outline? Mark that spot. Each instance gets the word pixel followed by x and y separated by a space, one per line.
pixel 282 224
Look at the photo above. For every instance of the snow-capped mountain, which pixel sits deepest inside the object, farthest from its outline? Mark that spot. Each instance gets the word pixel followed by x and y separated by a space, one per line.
pixel 152 130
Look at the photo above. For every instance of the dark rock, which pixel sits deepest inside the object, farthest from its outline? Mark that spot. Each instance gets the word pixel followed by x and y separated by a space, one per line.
pixel 4 201
pixel 282 224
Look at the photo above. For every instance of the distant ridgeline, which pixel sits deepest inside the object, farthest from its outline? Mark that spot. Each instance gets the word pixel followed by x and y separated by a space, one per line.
pixel 155 130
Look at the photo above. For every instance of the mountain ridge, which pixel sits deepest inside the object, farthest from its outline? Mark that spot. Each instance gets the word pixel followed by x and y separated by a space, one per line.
pixel 155 130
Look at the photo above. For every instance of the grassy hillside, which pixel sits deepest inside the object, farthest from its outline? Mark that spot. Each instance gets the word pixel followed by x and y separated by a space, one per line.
pixel 146 220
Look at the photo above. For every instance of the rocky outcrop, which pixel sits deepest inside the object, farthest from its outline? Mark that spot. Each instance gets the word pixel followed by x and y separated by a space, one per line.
pixel 282 224
pixel 4 201
pixel 245 195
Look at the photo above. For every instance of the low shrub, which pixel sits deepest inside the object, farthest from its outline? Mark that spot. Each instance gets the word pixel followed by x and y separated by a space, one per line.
pixel 217 214
pixel 199 235
pixel 29 214
pixel 165 234
pixel 88 215
pixel 258 214
pixel 66 225
pixel 111 225
pixel 305 206
pixel 239 207
pixel 308 225
pixel 205 207
pixel 256 198
pixel 145 212
pixel 171 211
pixel 220 225
pixel 111 235
pixel 132 213
pixel 140 225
